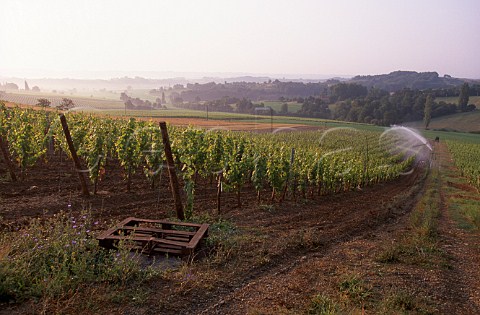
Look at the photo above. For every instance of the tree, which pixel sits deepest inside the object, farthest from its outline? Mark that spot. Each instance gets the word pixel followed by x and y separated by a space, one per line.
pixel 129 104
pixel 27 88
pixel 464 97
pixel 11 86
pixel 163 98
pixel 428 111
pixel 43 102
pixel 284 109
pixel 66 104
pixel 124 97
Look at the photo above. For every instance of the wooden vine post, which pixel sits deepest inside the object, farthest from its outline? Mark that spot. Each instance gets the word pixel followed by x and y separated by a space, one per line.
pixel 6 157
pixel 219 191
pixel 174 186
pixel 76 160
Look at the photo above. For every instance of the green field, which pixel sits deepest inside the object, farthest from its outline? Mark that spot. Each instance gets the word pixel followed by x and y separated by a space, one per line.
pixel 454 136
pixel 263 119
pixel 454 100
pixel 464 122
pixel 293 107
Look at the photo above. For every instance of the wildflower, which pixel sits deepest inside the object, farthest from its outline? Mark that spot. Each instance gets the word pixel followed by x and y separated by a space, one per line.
pixel 74 226
pixel 74 242
pixel 95 223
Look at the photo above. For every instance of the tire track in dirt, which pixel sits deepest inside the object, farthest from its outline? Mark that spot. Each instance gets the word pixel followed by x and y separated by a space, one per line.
pixel 345 225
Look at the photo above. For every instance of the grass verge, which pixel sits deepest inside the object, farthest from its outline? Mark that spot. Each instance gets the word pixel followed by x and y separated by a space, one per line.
pixel 55 258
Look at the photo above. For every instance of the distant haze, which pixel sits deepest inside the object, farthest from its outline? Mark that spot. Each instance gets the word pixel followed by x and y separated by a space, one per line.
pixel 278 38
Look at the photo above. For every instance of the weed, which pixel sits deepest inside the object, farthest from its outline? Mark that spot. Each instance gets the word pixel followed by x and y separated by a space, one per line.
pixel 354 289
pixel 322 305
pixel 267 208
pixel 276 310
pixel 390 254
pixel 404 302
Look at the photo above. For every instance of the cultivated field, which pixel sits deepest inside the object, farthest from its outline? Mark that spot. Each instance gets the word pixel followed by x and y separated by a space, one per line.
pixel 87 103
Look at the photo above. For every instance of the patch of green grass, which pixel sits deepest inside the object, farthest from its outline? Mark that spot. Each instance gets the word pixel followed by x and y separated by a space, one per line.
pixel 401 302
pixel 293 107
pixel 466 212
pixel 454 100
pixel 451 127
pixel 455 136
pixel 322 305
pixel 227 243
pixel 354 289
pixel 391 254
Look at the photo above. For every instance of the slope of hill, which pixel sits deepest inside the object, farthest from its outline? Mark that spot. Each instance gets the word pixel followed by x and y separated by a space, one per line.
pixel 398 80
pixel 464 122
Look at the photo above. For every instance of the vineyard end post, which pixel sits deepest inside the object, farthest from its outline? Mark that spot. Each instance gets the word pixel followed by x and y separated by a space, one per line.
pixel 174 185
pixel 76 160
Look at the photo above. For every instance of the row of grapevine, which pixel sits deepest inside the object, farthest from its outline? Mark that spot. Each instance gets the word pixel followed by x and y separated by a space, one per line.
pixel 320 162
pixel 467 159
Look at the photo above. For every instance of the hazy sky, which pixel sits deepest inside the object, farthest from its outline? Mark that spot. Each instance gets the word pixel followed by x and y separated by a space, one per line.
pixel 344 37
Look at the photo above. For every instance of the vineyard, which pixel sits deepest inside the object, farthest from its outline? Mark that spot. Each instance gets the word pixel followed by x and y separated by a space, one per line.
pixel 80 102
pixel 466 157
pixel 299 211
pixel 282 165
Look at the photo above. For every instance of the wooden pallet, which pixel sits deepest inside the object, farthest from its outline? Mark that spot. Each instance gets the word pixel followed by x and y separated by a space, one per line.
pixel 155 236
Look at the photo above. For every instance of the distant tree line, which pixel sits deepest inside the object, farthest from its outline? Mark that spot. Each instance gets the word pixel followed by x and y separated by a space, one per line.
pixel 398 80
pixel 228 105
pixel 9 86
pixel 271 90
pixel 13 86
pixel 382 108
pixel 139 104
pixel 353 102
